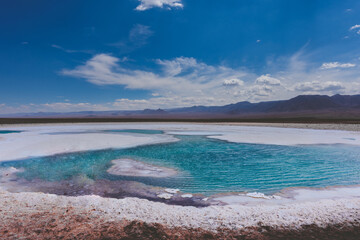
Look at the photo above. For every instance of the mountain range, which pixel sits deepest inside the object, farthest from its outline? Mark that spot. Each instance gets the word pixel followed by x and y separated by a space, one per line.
pixel 297 104
pixel 337 106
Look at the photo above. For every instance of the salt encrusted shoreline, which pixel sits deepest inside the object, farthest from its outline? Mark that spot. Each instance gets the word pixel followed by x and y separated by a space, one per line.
pixel 211 218
pixel 94 212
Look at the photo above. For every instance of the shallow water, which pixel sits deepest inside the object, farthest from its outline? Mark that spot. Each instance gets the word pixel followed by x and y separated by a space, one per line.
pixel 212 166
pixel 140 131
pixel 8 131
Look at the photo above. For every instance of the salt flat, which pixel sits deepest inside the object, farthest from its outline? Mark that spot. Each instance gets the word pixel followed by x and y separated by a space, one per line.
pixel 321 213
pixel 42 140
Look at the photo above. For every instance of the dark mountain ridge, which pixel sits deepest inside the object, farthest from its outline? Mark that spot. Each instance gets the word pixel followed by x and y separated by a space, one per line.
pixel 296 104
pixel 302 105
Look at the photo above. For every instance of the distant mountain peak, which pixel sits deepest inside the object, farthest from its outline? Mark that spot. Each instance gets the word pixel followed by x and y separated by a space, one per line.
pixel 153 111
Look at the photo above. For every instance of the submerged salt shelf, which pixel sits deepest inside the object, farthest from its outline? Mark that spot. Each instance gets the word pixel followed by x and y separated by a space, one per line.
pixel 205 165
pixel 129 167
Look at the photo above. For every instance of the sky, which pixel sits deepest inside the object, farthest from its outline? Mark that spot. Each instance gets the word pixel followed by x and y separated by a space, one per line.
pixel 91 55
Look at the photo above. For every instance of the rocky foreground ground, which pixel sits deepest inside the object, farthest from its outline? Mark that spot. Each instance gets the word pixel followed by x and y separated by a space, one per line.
pixel 72 225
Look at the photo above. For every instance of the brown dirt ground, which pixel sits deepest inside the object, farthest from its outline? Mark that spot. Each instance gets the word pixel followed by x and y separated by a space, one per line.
pixel 72 225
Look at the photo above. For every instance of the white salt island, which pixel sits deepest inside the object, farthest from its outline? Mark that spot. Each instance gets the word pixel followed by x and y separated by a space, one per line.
pixel 129 167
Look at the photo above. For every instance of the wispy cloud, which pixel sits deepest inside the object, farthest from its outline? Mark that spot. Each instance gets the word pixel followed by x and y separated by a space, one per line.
pixel 62 49
pixel 162 102
pixel 316 86
pixel 179 75
pixel 260 91
pixel 185 81
pixel 148 4
pixel 71 51
pixel 355 27
pixel 331 65
pixel 55 107
pixel 138 37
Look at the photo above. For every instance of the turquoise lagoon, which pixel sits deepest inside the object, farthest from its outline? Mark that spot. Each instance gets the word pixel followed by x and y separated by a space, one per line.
pixel 211 166
pixel 139 131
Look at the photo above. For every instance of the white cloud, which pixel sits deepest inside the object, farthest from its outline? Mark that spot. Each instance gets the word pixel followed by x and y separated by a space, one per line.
pixel 62 49
pixel 331 65
pixel 139 34
pixel 104 69
pixel 268 80
pixel 185 81
pixel 165 102
pixel 178 65
pixel 67 106
pixel 183 76
pixel 71 51
pixel 118 104
pixel 138 37
pixel 55 107
pixel 148 4
pixel 357 26
pixel 299 75
pixel 233 82
pixel 191 81
pixel 316 86
pixel 260 90
pixel 354 27
pixel 6 109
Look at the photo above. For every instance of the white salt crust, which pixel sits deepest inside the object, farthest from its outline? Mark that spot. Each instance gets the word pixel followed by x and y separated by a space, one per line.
pixel 321 213
pixel 40 140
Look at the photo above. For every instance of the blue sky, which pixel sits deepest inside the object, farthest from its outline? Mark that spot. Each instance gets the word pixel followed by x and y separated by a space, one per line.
pixel 133 54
